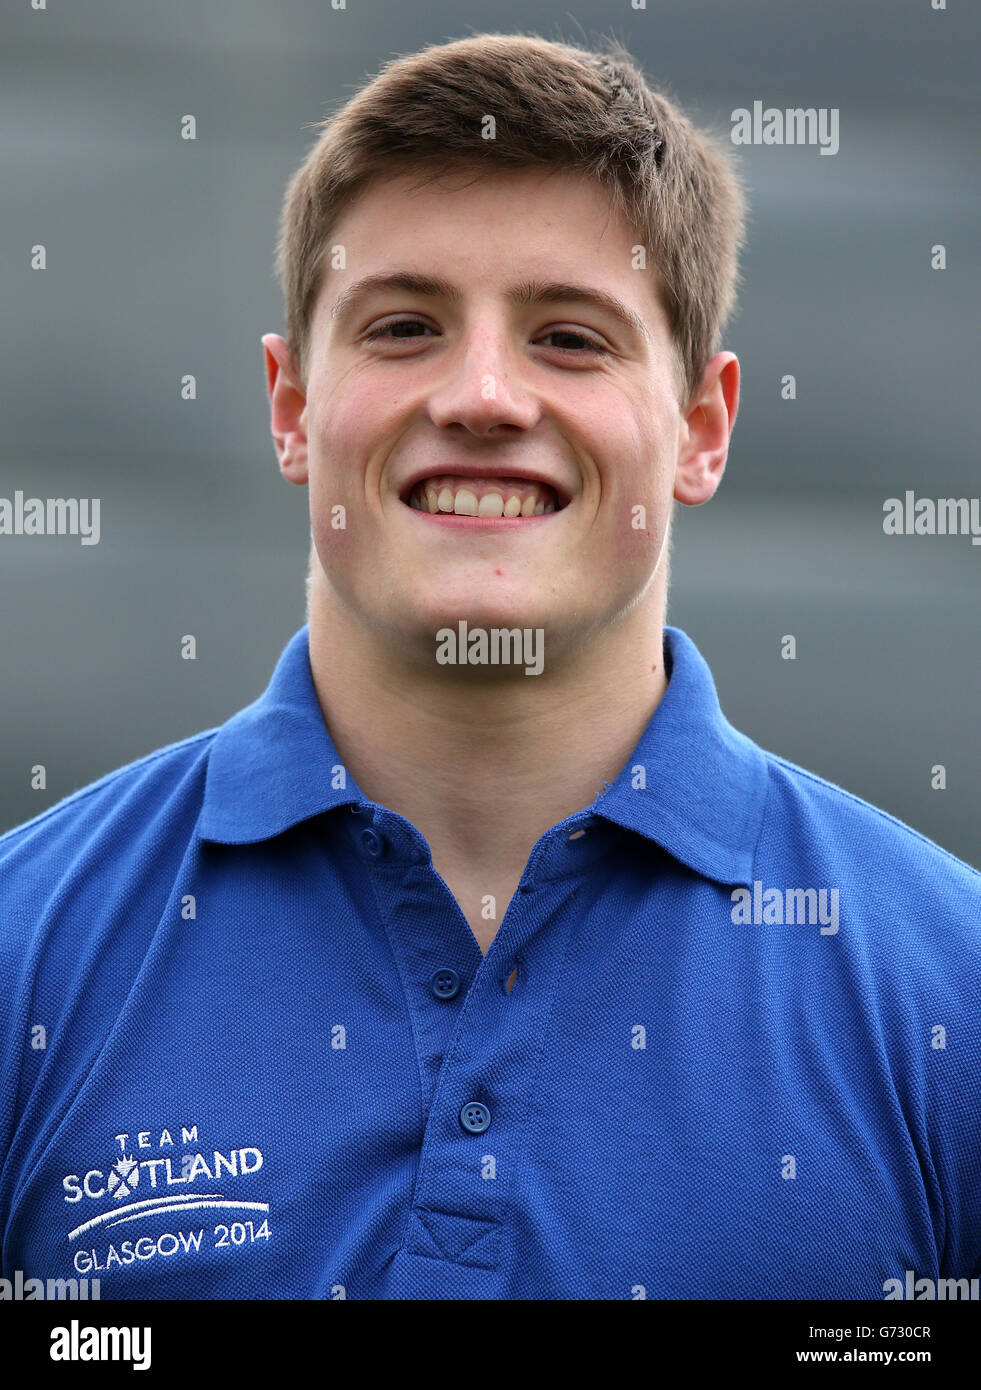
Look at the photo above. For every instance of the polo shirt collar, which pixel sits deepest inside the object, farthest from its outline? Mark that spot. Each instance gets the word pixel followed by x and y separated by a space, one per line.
pixel 700 797
pixel 693 784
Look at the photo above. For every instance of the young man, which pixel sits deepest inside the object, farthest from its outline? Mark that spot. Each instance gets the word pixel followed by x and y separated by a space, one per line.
pixel 481 957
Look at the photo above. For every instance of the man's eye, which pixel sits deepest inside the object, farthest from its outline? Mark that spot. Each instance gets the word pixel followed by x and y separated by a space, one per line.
pixel 581 345
pixel 400 324
pixel 590 343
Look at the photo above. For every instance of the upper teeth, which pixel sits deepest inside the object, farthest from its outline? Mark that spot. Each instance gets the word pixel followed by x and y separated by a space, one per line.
pixel 469 497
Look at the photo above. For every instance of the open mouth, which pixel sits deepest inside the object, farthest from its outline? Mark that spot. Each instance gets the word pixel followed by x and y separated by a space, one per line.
pixel 507 498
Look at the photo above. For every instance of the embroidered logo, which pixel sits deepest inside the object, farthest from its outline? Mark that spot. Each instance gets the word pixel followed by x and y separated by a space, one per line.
pixel 202 1180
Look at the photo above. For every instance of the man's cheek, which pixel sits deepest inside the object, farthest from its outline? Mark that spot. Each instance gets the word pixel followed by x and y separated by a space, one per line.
pixel 335 533
pixel 636 531
pixel 333 497
pixel 334 522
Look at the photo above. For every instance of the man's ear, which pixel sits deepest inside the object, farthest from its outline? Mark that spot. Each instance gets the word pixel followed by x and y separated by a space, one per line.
pixel 708 421
pixel 288 408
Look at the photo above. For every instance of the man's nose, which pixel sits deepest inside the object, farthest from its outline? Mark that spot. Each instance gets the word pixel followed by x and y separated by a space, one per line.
pixel 484 386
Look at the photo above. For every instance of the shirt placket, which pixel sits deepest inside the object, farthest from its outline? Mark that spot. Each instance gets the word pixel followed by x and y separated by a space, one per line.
pixel 478 1044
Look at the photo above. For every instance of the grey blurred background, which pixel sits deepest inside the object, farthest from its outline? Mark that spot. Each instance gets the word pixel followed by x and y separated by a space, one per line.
pixel 160 263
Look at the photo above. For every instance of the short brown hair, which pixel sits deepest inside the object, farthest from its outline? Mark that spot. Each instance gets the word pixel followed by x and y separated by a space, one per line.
pixel 555 105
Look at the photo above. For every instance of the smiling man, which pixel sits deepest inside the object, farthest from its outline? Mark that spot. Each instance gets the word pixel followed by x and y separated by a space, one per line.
pixel 436 972
pixel 491 347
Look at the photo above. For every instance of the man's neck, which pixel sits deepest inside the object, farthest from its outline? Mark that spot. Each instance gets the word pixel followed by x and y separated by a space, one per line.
pixel 483 767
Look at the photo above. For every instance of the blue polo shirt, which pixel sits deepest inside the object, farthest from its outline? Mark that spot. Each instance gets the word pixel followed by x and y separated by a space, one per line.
pixel 249 1046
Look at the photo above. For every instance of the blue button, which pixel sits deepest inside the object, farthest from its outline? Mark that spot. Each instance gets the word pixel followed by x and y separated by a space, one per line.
pixel 374 845
pixel 475 1117
pixel 445 984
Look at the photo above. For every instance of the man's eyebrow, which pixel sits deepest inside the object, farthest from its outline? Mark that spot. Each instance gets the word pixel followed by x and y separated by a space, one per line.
pixel 528 292
pixel 551 291
pixel 404 280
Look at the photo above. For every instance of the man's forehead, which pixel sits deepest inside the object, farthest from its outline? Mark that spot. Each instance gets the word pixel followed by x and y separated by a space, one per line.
pixel 372 261
pixel 566 205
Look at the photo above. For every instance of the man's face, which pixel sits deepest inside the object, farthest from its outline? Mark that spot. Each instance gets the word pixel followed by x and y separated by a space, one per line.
pixel 481 386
